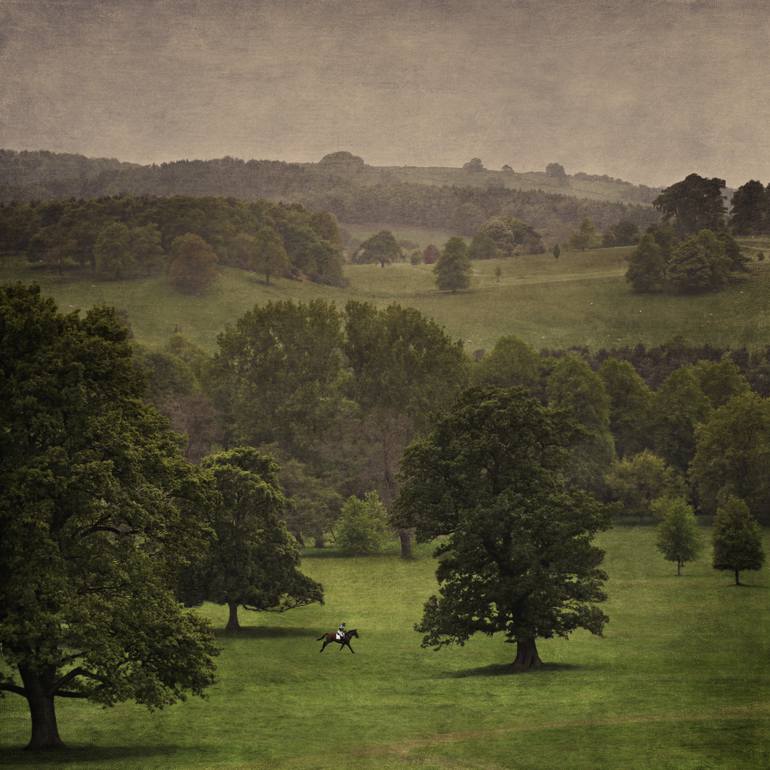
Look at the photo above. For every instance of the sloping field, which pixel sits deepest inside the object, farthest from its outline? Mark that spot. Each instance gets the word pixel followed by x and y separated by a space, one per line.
pixel 579 299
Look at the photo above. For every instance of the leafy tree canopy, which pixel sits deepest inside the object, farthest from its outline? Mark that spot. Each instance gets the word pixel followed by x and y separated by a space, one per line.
pixel 693 204
pixel 98 510
pixel 737 538
pixel 453 267
pixel 381 248
pixel 517 557
pixel 193 265
pixel 678 537
pixel 252 561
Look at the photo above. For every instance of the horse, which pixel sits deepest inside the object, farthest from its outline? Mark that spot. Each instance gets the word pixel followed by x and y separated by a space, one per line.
pixel 332 637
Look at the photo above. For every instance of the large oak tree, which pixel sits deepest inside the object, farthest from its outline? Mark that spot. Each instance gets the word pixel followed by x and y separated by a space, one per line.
pixel 516 554
pixel 98 509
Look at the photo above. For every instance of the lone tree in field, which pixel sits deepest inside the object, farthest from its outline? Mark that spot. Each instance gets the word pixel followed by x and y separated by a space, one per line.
pixel 98 510
pixel 517 555
pixel 192 267
pixel 453 267
pixel 678 538
pixel 382 247
pixel 253 560
pixel 737 538
pixel 647 266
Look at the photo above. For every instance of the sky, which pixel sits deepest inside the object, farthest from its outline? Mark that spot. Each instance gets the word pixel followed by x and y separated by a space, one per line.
pixel 644 90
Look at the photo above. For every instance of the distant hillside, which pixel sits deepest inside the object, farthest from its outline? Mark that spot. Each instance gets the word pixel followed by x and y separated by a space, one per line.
pixel 443 198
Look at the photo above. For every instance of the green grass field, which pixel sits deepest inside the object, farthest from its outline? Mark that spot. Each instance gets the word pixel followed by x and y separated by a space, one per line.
pixel 680 681
pixel 579 299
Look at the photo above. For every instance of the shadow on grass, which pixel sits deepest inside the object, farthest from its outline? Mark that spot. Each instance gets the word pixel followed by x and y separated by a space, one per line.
pixel 98 755
pixel 266 632
pixel 507 669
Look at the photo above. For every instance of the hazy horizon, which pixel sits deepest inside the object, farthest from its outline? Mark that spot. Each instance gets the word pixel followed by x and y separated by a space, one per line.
pixel 644 92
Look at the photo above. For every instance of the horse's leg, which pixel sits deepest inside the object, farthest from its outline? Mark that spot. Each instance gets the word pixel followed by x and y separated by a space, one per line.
pixel 350 648
pixel 323 647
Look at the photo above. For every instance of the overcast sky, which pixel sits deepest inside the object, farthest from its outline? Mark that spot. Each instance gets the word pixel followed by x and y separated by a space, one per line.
pixel 643 90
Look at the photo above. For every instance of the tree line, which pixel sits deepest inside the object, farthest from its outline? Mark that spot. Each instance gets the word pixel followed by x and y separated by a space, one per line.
pixel 353 192
pixel 124 236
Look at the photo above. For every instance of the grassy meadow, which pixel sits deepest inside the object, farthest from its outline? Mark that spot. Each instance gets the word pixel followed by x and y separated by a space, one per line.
pixel 680 681
pixel 580 299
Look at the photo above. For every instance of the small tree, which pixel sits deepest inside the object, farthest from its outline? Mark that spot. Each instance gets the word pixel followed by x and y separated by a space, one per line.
pixel 193 265
pixel 678 537
pixel 253 561
pixel 474 164
pixel 737 538
pixel 556 251
pixel 382 247
pixel 430 254
pixel 363 525
pixel 453 267
pixel 647 266
pixel 146 250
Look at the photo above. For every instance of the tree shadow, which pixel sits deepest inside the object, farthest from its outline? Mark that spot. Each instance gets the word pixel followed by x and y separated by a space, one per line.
pixel 507 669
pixel 85 755
pixel 265 632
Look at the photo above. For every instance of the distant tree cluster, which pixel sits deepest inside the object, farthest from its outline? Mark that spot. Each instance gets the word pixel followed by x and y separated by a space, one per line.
pixel 125 236
pixel 505 237
pixel 694 264
pixel 750 209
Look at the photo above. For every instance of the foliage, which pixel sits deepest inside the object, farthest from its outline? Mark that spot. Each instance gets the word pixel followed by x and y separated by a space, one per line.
pixel 737 538
pixel 252 561
pixel 630 405
pixel 192 267
pixel 98 510
pixel 732 455
pixel 381 248
pixel 585 237
pixel 693 204
pixel 277 373
pixel 517 556
pixel 270 257
pixel 505 237
pixel 679 407
pixel 678 537
pixel 575 388
pixel 112 251
pixel 623 233
pixel 474 164
pixel 647 266
pixel 511 362
pixel 720 380
pixel 453 267
pixel 750 209
pixel 635 483
pixel 362 527
pixel 698 264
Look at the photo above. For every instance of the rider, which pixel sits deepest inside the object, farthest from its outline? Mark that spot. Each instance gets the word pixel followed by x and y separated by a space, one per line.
pixel 341 631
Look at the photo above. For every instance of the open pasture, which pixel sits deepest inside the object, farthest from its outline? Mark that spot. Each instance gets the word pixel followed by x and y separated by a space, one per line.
pixel 580 299
pixel 680 681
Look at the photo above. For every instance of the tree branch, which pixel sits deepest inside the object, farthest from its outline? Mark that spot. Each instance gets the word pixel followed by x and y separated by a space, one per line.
pixel 8 687
pixel 70 675
pixel 70 694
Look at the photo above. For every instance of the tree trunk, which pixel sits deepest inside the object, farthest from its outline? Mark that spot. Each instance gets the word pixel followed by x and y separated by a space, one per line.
pixel 233 626
pixel 678 568
pixel 45 732
pixel 737 578
pixel 405 536
pixel 319 541
pixel 526 655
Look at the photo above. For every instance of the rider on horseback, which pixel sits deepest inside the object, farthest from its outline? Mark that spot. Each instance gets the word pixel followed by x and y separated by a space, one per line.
pixel 341 631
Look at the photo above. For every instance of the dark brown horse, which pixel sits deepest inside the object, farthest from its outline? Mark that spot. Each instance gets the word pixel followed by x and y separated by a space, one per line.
pixel 332 637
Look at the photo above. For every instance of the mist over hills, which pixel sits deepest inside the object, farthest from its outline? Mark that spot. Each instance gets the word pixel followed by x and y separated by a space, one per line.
pixel 455 199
